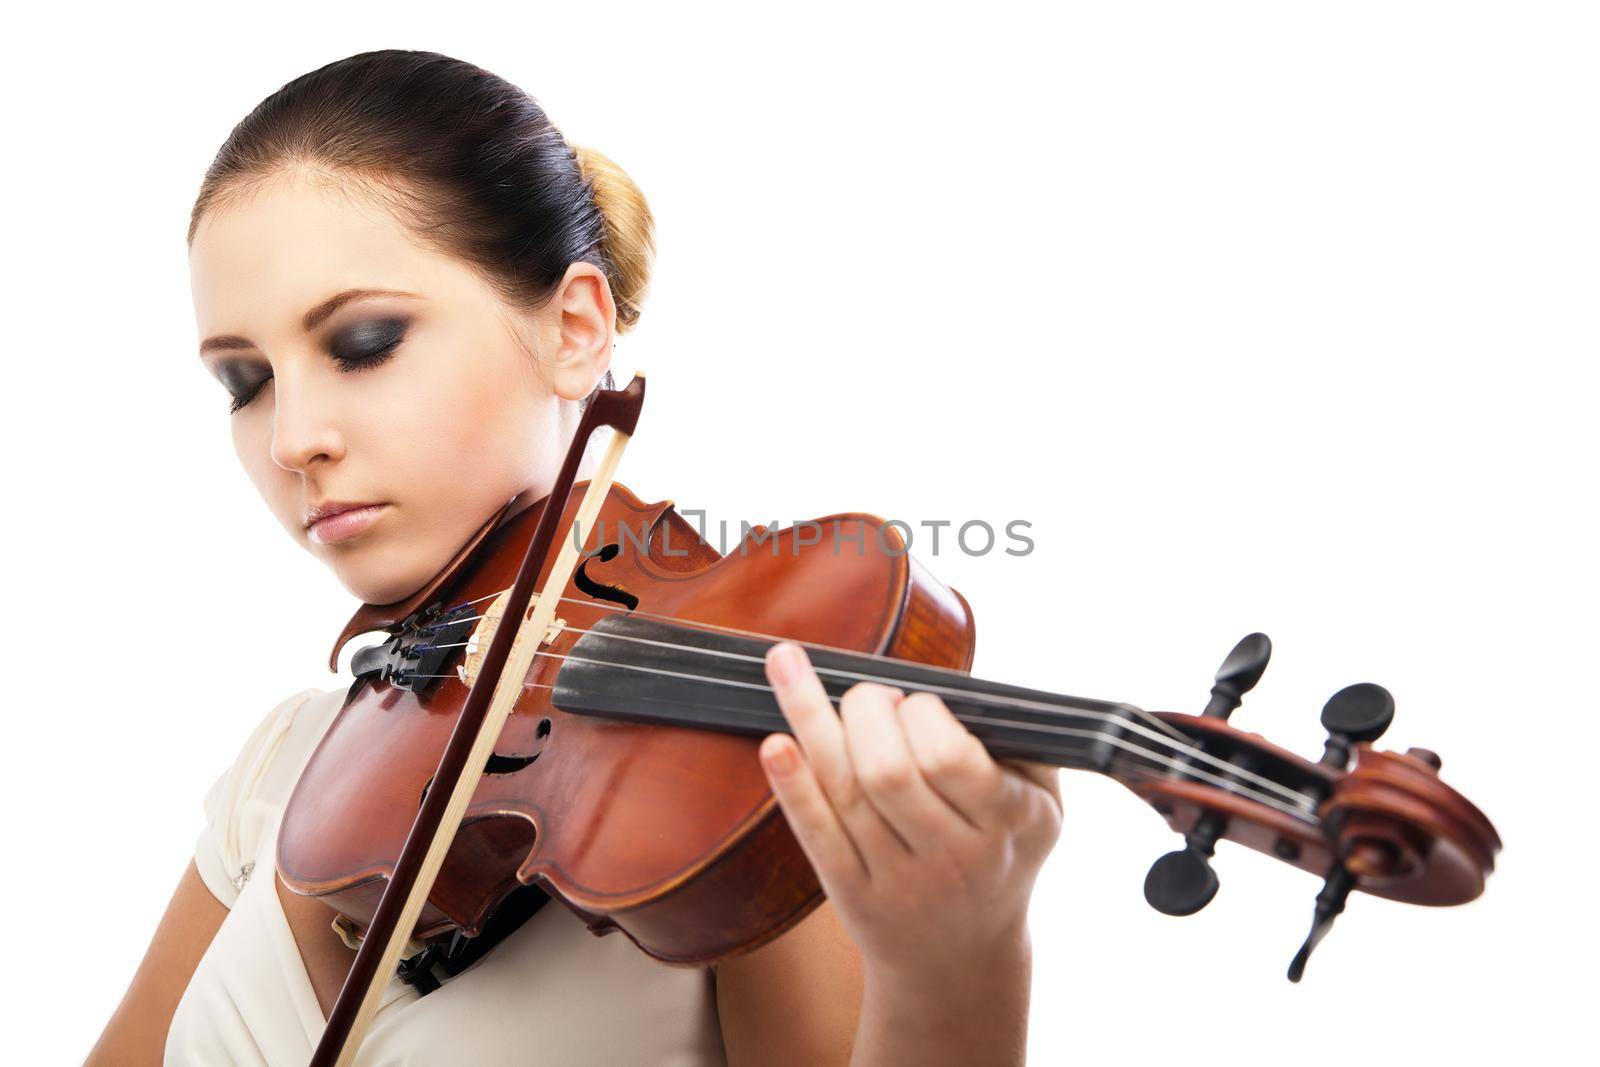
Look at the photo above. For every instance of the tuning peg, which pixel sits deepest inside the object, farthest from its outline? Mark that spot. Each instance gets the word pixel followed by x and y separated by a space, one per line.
pixel 1330 902
pixel 1427 756
pixel 1239 674
pixel 1182 882
pixel 1356 713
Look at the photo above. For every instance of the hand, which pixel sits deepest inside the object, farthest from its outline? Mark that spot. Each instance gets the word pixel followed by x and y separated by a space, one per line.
pixel 927 846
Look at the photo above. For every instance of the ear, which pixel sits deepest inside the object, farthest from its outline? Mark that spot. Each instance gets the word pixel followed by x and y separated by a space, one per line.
pixel 585 321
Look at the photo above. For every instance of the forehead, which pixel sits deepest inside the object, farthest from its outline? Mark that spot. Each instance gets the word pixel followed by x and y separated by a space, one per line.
pixel 260 260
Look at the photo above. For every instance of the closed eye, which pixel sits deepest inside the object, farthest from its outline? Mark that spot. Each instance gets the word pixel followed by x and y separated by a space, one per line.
pixel 366 344
pixel 360 346
pixel 243 379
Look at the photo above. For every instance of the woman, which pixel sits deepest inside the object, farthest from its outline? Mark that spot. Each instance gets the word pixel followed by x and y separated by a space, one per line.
pixel 408 283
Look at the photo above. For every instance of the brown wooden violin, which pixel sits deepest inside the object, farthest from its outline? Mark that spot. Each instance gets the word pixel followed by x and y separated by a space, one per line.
pixel 604 747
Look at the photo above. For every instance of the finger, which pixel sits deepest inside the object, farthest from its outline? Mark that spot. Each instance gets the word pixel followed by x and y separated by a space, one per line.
pixel 811 715
pixel 1043 775
pixel 888 772
pixel 954 763
pixel 816 825
pixel 1038 814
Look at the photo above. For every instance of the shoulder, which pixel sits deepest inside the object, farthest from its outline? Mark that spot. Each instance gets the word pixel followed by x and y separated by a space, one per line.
pixel 273 750
pixel 254 786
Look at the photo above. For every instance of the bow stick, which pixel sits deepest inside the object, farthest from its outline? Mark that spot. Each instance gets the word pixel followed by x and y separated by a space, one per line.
pixel 488 705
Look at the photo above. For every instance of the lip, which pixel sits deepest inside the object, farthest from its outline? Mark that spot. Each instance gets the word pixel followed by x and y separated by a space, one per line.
pixel 336 520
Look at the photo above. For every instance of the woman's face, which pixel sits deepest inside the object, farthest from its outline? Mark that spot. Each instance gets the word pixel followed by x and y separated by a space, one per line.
pixel 363 368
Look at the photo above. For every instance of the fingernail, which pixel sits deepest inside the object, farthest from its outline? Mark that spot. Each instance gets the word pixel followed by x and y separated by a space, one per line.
pixel 779 756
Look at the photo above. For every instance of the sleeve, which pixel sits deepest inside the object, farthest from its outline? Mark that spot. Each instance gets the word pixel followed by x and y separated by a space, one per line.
pixel 224 852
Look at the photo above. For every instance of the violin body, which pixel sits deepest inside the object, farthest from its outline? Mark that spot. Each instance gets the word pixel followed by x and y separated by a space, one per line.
pixel 667 833
pixel 593 710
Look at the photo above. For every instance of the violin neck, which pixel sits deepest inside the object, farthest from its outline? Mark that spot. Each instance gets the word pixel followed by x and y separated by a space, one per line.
pixel 645 670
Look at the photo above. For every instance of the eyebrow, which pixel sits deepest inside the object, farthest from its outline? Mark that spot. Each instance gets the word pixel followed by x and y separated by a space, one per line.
pixel 310 321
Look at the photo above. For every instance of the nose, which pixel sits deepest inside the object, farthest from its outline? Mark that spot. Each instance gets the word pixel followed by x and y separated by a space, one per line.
pixel 304 429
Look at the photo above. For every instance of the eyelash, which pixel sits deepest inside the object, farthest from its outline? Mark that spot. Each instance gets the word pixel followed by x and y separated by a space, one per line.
pixel 348 364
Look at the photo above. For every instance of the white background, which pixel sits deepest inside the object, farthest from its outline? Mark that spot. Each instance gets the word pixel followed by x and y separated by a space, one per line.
pixel 1266 316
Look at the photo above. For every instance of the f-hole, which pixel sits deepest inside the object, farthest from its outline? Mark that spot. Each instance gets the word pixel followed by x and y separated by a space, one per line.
pixel 498 764
pixel 614 594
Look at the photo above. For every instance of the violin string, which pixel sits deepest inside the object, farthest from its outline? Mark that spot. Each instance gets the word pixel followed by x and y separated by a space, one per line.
pixel 1150 719
pixel 998 700
pixel 1031 727
pixel 777 722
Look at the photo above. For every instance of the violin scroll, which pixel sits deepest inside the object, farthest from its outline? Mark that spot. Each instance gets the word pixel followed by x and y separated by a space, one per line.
pixel 1400 833
pixel 1386 825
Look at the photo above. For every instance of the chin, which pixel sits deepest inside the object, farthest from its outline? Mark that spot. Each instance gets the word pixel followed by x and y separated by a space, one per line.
pixel 380 574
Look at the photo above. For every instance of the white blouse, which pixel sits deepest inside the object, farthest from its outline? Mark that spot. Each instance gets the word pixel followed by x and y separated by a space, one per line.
pixel 550 993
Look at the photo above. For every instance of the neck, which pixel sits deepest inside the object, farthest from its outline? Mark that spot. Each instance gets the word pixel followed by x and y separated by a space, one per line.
pixel 541 489
pixel 669 673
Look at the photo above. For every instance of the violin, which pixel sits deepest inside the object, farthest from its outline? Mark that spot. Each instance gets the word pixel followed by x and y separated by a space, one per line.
pixel 575 701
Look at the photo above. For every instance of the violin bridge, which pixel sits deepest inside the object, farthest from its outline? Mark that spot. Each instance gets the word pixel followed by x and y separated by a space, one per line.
pixel 478 643
pixel 552 631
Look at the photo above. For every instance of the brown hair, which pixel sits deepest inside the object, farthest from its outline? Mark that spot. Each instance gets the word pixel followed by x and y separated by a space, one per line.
pixel 465 159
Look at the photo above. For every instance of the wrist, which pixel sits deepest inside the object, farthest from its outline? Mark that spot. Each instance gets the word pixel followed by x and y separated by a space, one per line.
pixel 968 1007
pixel 998 969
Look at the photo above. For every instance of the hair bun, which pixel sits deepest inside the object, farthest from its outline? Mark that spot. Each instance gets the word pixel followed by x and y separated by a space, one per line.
pixel 629 246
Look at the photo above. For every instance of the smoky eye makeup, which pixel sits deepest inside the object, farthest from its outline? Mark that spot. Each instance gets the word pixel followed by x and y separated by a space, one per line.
pixel 358 345
pixel 368 342
pixel 243 379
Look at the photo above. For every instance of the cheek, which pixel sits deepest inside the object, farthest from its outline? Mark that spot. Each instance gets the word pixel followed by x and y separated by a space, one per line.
pixel 476 432
pixel 479 438
pixel 252 443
